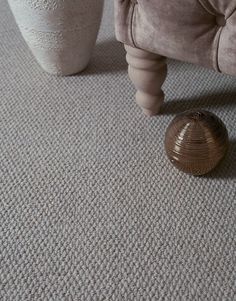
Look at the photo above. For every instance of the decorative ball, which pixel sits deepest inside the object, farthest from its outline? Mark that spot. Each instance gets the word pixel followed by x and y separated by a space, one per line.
pixel 196 141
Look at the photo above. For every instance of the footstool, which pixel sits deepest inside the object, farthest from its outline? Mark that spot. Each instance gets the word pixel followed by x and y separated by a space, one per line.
pixel 202 32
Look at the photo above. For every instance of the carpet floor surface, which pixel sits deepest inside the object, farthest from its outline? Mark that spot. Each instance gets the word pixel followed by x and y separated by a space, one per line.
pixel 90 207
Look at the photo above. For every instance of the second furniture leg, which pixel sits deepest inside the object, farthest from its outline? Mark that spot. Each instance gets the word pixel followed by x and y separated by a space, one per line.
pixel 148 72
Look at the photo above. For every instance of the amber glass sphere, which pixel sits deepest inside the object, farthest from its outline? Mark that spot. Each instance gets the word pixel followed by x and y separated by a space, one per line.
pixel 196 141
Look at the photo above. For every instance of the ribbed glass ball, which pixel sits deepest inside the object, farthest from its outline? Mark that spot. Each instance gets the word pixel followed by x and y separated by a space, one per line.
pixel 196 141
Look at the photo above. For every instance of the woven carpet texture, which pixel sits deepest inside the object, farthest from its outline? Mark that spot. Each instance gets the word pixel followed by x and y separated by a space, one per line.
pixel 90 207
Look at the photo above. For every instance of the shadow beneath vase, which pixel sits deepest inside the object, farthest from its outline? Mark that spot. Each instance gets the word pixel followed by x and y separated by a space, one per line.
pixel 108 57
pixel 204 101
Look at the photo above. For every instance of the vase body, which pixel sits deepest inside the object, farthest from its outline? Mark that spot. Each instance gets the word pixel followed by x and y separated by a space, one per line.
pixel 60 33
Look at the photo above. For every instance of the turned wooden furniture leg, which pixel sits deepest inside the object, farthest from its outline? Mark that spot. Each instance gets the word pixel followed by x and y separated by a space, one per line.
pixel 148 72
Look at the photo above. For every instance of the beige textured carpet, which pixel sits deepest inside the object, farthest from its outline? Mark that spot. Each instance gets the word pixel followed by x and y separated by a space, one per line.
pixel 90 208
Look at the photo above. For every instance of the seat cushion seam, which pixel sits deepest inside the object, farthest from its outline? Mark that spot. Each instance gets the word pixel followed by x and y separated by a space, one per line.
pixel 230 15
pixel 132 24
pixel 218 50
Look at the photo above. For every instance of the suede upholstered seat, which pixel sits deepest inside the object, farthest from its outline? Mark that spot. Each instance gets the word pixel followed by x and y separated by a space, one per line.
pixel 202 32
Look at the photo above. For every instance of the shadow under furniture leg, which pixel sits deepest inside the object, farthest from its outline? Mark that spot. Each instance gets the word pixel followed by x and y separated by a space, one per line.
pixel 148 72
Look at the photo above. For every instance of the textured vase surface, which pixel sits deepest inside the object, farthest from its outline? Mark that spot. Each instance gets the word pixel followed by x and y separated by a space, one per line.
pixel 60 33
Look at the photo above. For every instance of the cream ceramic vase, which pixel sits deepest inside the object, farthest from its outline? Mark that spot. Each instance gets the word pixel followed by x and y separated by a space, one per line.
pixel 60 33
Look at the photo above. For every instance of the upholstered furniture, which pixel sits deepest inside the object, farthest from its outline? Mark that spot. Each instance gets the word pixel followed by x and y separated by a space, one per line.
pixel 197 31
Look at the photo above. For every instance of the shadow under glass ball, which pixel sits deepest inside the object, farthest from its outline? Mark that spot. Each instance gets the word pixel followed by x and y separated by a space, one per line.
pixel 196 141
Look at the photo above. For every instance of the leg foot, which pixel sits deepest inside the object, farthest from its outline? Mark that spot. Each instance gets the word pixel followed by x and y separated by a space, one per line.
pixel 148 72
